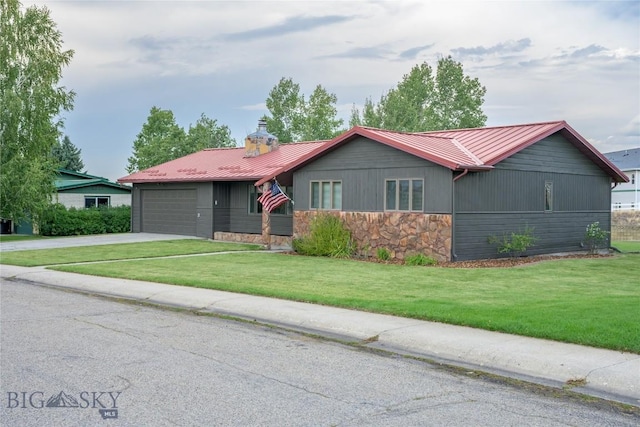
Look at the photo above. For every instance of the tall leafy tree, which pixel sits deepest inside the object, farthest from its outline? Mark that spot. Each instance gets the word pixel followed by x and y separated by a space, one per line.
pixel 285 105
pixel 162 140
pixel 68 155
pixel 159 141
pixel 423 101
pixel 292 118
pixel 319 118
pixel 31 100
pixel 206 133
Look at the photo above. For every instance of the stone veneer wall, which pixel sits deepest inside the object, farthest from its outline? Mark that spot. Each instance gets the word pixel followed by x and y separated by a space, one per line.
pixel 280 241
pixel 625 225
pixel 402 234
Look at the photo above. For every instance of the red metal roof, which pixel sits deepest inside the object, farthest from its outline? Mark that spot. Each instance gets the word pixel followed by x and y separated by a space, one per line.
pixel 223 164
pixel 460 149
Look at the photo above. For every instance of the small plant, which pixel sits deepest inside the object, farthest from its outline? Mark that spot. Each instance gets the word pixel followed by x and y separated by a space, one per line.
pixel 383 254
pixel 420 259
pixel 514 244
pixel 328 237
pixel 595 237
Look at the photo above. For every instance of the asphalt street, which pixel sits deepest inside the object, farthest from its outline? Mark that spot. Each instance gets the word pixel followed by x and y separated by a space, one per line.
pixel 98 361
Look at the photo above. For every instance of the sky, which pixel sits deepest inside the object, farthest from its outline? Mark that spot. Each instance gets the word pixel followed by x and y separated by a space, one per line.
pixel 540 61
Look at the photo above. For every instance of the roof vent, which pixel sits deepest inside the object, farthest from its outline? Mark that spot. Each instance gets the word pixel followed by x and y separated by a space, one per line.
pixel 260 141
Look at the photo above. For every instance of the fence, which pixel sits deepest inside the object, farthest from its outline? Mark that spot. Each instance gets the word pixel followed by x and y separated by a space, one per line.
pixel 625 225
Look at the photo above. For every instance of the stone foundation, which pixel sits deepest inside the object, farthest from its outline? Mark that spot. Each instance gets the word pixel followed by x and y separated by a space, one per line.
pixel 625 225
pixel 278 241
pixel 402 234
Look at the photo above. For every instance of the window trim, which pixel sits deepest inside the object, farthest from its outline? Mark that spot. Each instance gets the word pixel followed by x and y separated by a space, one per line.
pixel 96 201
pixel 397 195
pixel 331 183
pixel 548 196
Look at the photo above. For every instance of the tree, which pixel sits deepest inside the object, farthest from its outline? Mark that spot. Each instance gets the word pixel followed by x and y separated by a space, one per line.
pixel 423 102
pixel 159 141
pixel 162 140
pixel 319 116
pixel 293 119
pixel 207 134
pixel 31 63
pixel 68 155
pixel 286 107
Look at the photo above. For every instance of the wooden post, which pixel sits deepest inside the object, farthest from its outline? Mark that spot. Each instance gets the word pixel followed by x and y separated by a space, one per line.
pixel 266 220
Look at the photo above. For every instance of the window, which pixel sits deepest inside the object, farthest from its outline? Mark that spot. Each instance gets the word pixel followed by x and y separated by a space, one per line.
pixel 326 195
pixel 96 201
pixel 255 207
pixel 404 194
pixel 633 178
pixel 548 196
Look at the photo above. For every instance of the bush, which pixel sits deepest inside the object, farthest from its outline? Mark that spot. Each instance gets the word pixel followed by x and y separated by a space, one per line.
pixel 595 237
pixel 60 221
pixel 514 244
pixel 420 259
pixel 383 254
pixel 328 237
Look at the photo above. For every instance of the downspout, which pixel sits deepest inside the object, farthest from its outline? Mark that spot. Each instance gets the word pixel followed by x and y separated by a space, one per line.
pixel 454 256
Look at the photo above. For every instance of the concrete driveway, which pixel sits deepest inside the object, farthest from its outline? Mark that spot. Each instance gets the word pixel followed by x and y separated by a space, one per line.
pixel 99 239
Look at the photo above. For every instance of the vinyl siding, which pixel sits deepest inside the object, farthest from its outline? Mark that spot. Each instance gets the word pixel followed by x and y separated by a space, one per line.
pixel 512 197
pixel 363 166
pixel 241 221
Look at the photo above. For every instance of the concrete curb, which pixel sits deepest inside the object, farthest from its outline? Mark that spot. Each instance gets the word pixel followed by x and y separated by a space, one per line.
pixel 609 374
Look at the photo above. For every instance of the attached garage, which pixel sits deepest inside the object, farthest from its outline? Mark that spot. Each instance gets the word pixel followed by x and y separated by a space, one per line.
pixel 169 211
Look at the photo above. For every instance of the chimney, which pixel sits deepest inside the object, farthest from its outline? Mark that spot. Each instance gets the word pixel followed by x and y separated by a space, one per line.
pixel 260 141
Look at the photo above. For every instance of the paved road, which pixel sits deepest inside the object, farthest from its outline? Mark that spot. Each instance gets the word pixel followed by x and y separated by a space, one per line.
pixel 93 358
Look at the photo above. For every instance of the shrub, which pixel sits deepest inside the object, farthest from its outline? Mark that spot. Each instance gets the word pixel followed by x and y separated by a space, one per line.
pixel 328 237
pixel 420 259
pixel 595 237
pixel 60 221
pixel 514 244
pixel 383 254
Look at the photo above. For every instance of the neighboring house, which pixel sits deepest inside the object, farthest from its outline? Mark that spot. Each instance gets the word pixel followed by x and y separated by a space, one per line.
pixel 79 190
pixel 442 194
pixel 626 196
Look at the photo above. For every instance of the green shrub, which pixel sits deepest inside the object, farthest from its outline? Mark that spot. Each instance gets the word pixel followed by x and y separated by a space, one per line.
pixel 595 237
pixel 514 244
pixel 420 259
pixel 383 254
pixel 328 237
pixel 60 221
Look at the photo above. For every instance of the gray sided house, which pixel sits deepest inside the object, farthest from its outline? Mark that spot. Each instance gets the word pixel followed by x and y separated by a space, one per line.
pixel 442 194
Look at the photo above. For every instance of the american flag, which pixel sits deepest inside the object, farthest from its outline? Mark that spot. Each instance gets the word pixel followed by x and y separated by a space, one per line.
pixel 273 198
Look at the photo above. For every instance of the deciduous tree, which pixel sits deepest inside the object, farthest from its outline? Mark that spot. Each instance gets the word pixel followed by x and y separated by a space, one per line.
pixel 285 105
pixel 319 119
pixel 31 100
pixel 206 133
pixel 423 101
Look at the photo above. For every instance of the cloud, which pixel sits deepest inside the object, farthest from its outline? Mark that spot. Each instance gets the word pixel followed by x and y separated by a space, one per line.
pixel 632 128
pixel 508 47
pixel 414 51
pixel 373 52
pixel 294 24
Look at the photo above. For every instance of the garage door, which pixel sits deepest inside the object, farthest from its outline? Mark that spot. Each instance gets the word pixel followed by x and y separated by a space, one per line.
pixel 169 211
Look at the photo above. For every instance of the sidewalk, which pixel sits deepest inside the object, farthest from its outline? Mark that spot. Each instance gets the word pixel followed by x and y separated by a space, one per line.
pixel 609 374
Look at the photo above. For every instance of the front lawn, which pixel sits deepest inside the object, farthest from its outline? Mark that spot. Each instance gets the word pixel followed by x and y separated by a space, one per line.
pixel 119 251
pixel 589 301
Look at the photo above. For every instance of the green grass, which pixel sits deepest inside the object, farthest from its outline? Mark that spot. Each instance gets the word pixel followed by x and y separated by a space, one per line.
pixel 592 301
pixel 119 251
pixel 627 246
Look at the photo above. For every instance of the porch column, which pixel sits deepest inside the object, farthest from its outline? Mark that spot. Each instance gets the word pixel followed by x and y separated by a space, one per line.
pixel 266 220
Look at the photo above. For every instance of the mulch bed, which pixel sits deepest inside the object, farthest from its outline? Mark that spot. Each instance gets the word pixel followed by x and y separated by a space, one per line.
pixel 487 263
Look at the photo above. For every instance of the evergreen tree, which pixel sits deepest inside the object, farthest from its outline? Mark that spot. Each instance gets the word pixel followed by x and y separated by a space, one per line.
pixel 68 155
